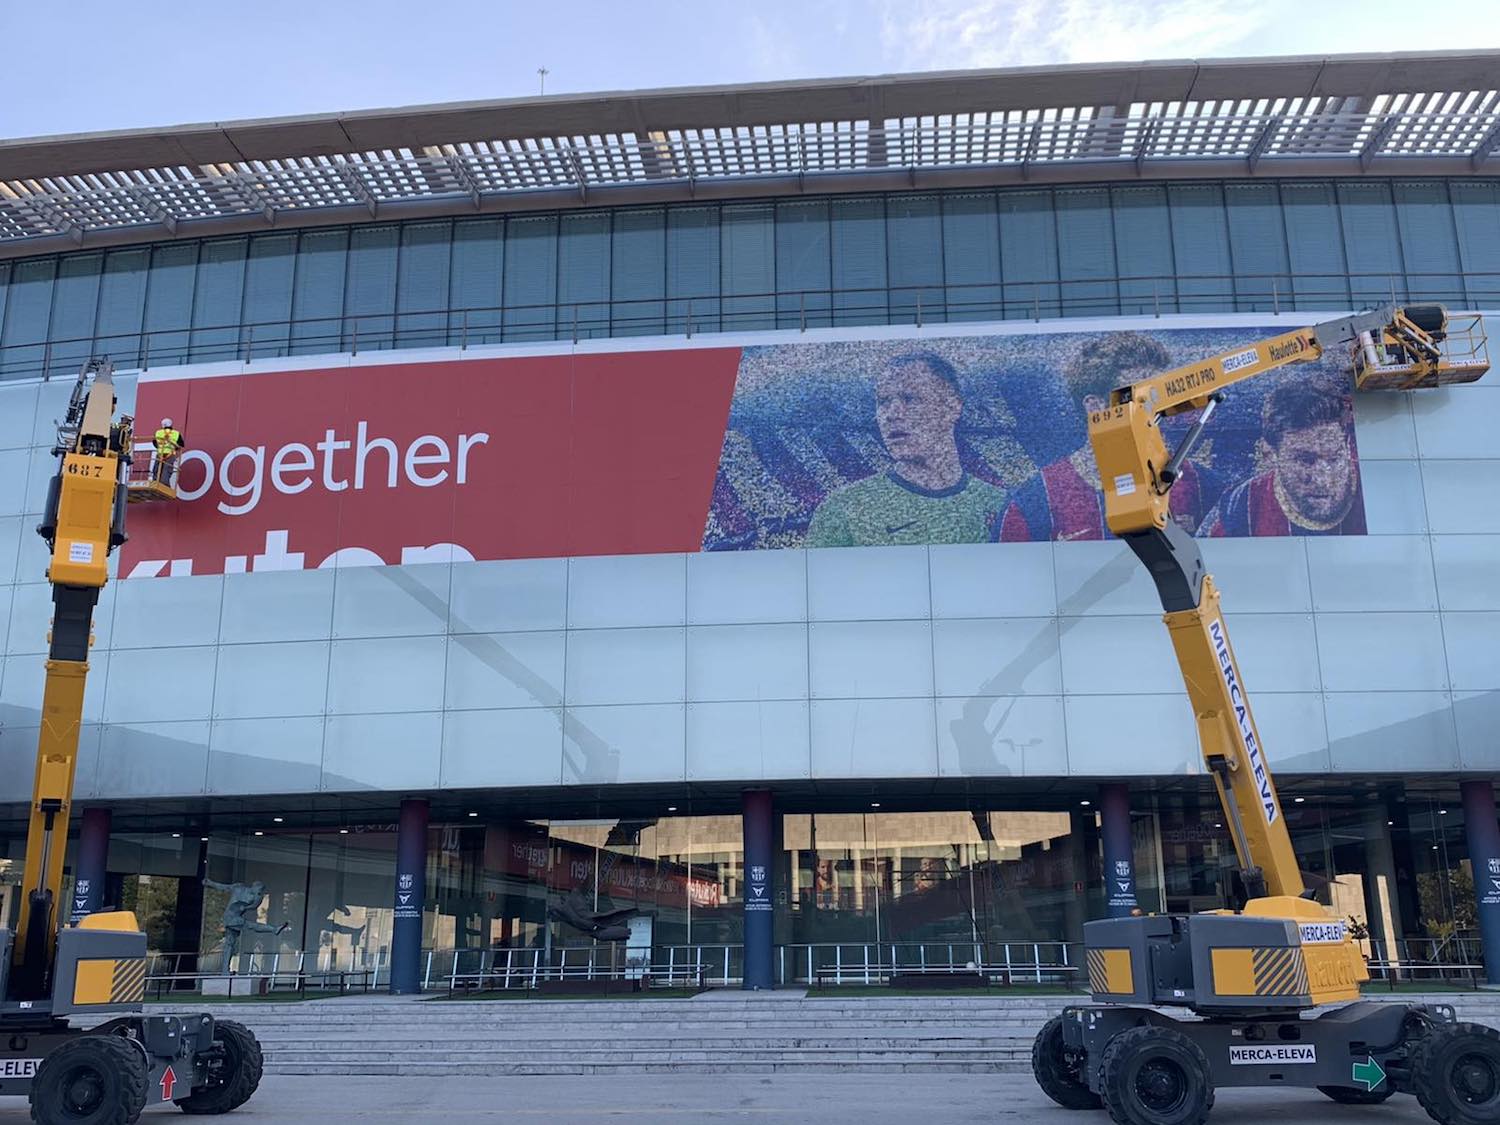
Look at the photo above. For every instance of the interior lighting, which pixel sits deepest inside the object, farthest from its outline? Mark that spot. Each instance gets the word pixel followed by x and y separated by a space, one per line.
pixel 1085 804
pixel 874 804
pixel 473 814
pixel 258 832
pixel 1298 800
pixel 277 819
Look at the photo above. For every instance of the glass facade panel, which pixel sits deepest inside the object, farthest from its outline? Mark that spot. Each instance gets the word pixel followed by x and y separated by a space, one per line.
pixel 694 268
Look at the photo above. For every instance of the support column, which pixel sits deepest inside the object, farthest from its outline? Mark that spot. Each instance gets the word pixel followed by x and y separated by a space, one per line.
pixel 411 890
pixel 1484 856
pixel 93 860
pixel 758 825
pixel 1119 859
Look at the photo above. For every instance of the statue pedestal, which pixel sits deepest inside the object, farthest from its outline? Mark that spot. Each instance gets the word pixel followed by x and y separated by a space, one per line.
pixel 236 986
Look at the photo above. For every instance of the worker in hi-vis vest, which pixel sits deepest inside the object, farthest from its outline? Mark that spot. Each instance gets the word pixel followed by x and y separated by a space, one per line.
pixel 169 444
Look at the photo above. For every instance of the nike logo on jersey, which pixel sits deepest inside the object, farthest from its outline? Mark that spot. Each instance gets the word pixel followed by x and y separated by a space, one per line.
pixel 900 527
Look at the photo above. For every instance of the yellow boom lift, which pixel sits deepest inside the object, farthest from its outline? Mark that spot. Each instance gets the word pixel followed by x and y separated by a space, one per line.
pixel 51 979
pixel 1247 978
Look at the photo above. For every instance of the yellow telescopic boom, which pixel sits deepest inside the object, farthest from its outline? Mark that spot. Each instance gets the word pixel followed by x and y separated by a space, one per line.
pixel 1392 347
pixel 84 522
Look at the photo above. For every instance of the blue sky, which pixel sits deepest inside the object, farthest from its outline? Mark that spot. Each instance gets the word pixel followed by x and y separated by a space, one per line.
pixel 113 64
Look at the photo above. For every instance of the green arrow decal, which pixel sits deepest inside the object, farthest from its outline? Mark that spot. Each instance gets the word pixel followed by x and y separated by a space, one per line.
pixel 1369 1072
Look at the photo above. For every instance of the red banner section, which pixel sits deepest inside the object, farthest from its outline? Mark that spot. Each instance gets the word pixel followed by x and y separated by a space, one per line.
pixel 534 457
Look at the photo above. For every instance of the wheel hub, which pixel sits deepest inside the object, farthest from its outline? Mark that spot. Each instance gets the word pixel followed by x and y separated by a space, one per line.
pixel 85 1092
pixel 1159 1085
pixel 1475 1080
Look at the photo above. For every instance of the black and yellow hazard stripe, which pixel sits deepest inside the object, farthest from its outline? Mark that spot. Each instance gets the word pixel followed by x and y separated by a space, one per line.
pixel 1279 972
pixel 1110 971
pixel 129 985
pixel 1098 977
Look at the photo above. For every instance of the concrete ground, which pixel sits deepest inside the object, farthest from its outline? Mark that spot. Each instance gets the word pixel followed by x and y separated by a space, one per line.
pixel 820 1099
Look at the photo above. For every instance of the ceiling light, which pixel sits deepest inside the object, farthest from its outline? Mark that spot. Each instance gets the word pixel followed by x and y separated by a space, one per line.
pixel 1298 800
pixel 343 831
pixel 1442 812
pixel 1085 804
pixel 1389 823
pixel 671 808
pixel 258 832
pixel 473 814
pixel 277 819
pixel 874 804
pixel 1218 826
pixel 176 835
pixel 202 839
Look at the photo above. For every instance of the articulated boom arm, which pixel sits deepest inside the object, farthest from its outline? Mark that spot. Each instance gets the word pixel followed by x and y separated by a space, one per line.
pixel 1137 473
pixel 84 522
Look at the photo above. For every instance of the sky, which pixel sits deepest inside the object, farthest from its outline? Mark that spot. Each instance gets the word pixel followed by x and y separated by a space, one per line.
pixel 96 65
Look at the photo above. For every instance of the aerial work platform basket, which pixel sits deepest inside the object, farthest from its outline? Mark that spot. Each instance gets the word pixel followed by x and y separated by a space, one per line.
pixel 1400 359
pixel 150 481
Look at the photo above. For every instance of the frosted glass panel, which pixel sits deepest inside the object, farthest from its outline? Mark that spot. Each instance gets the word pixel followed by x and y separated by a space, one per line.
pixel 1461 496
pixel 1373 731
pixel 1476 715
pixel 1015 656
pixel 14 464
pixel 17 412
pixel 873 738
pixel 1466 571
pixel 1259 575
pixel 871 659
pixel 166 612
pixel 490 670
pixel 731 587
pixel 865 583
pixel 1008 736
pixel 153 759
pixel 521 746
pixel 747 662
pixel 134 693
pixel 382 751
pixel 1473 644
pixel 1383 427
pixel 30 618
pixel 611 591
pixel 389 674
pixel 10 545
pixel 1102 578
pixel 625 666
pixel 388 601
pixel 1458 422
pixel 24 678
pixel 265 755
pixel 1351 573
pixel 1107 655
pixel 271 680
pixel 608 744
pixel 758 741
pixel 277 605
pixel 1394 503
pixel 985 580
pixel 1275 652
pixel 1382 651
pixel 492 597
pixel 1104 741
pixel 1293 732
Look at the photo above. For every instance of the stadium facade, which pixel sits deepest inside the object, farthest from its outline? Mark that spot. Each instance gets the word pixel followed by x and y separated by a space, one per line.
pixel 680 500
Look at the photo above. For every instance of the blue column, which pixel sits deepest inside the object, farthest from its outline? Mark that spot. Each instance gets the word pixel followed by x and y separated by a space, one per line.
pixel 411 890
pixel 757 818
pixel 1119 862
pixel 1484 855
pixel 93 859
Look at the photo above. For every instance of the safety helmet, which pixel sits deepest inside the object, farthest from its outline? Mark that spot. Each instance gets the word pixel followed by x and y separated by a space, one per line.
pixel 166 423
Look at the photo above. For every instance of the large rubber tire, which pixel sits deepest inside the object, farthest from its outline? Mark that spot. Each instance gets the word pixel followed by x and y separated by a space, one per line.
pixel 235 1081
pixel 1455 1073
pixel 1156 1076
pixel 1056 1073
pixel 1350 1095
pixel 91 1080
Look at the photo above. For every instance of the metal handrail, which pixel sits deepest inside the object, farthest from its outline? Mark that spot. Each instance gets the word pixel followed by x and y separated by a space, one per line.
pixel 680 315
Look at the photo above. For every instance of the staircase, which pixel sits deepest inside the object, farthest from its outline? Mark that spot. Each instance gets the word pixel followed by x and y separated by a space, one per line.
pixel 718 1032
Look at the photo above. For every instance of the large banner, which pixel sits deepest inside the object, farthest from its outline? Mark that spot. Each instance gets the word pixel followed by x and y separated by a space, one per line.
pixel 953 439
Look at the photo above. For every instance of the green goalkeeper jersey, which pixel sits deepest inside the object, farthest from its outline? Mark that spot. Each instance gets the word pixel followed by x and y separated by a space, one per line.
pixel 885 510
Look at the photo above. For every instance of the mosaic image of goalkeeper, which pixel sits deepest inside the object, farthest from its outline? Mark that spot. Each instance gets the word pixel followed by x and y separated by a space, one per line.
pixel 925 495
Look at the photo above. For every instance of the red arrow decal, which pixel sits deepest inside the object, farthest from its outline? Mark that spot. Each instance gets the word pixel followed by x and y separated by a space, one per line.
pixel 168 1081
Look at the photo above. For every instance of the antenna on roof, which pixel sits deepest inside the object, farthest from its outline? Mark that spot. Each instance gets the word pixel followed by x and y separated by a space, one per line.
pixel 542 73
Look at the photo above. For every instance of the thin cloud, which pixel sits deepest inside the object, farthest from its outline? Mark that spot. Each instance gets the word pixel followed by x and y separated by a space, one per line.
pixel 960 34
